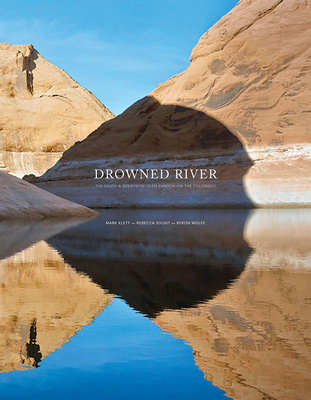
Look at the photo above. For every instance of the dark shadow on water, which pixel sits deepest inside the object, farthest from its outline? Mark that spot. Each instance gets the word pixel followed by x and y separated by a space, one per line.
pixel 159 267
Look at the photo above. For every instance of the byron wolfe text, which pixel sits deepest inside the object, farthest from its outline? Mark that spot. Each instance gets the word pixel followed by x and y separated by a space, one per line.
pixel 155 173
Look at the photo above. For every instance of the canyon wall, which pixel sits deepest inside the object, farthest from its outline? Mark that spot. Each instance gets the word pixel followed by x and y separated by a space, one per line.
pixel 43 111
pixel 241 107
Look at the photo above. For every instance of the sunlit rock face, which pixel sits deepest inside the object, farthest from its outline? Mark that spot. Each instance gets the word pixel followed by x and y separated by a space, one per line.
pixel 241 106
pixel 253 339
pixel 43 111
pixel 43 303
pixel 22 200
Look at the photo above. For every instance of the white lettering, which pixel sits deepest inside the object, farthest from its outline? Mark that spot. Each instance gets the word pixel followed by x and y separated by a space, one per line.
pixel 96 174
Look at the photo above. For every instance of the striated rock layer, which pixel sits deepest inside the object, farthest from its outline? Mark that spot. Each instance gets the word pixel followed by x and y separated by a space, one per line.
pixel 43 111
pixel 22 200
pixel 241 107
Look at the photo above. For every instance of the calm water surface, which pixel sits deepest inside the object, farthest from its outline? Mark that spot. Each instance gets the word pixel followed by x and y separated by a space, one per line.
pixel 133 311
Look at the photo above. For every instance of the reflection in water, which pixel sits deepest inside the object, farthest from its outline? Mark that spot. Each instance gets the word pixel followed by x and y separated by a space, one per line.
pixel 250 337
pixel 237 290
pixel 159 267
pixel 33 349
pixel 253 339
pixel 43 302
pixel 17 235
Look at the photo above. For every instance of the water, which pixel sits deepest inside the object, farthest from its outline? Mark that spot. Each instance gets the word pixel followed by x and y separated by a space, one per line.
pixel 91 310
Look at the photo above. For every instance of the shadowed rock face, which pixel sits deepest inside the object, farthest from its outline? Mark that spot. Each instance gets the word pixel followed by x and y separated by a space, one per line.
pixel 43 111
pixel 159 267
pixel 158 130
pixel 43 303
pixel 250 73
pixel 22 200
pixel 156 136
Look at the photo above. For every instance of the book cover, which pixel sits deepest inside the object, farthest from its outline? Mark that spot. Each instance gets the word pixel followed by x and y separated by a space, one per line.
pixel 155 179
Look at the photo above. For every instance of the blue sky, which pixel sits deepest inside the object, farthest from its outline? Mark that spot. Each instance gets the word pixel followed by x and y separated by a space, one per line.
pixel 120 49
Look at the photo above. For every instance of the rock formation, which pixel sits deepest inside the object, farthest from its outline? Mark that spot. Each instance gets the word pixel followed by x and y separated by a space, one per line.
pixel 242 107
pixel 22 200
pixel 43 111
pixel 43 303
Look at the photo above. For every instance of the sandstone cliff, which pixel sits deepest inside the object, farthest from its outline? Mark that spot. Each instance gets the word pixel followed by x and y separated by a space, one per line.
pixel 43 111
pixel 22 200
pixel 242 106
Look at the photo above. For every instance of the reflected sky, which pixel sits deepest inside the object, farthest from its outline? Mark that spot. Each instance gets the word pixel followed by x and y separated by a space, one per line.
pixel 122 312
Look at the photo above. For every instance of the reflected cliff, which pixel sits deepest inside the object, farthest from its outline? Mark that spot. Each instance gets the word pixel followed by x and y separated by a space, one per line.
pixel 159 267
pixel 236 289
pixel 253 339
pixel 43 303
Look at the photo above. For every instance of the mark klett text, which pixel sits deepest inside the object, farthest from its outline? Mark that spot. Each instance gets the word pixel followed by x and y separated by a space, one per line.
pixel 155 173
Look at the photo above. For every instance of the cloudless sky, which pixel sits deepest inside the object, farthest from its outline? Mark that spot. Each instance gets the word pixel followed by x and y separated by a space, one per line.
pixel 118 49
